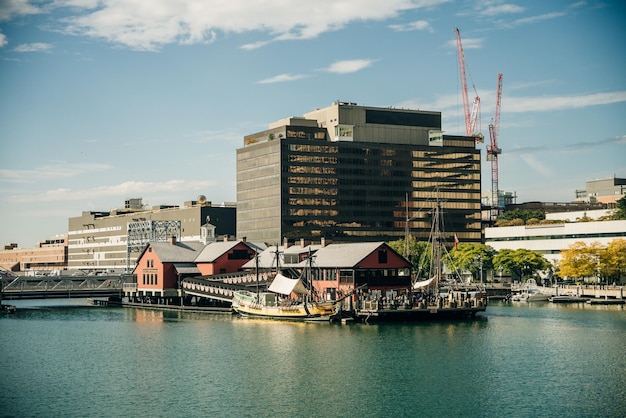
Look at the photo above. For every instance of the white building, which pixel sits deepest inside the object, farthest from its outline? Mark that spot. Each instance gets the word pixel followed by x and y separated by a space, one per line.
pixel 550 239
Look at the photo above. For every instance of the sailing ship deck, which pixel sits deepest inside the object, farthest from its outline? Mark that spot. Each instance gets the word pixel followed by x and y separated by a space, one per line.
pixel 454 306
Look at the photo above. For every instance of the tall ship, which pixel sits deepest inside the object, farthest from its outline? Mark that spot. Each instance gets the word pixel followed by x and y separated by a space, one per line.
pixel 429 298
pixel 285 298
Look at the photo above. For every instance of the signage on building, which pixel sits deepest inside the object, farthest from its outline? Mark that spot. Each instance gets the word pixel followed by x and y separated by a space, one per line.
pixel 435 138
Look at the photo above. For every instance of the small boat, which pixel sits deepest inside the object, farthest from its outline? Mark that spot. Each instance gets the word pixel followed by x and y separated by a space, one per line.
pixel 530 293
pixel 568 298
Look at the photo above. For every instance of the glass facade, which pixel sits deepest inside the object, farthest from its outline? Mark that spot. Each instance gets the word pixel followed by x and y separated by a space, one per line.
pixel 308 187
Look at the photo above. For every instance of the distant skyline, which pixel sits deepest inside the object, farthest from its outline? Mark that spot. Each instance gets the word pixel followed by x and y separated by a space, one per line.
pixel 103 100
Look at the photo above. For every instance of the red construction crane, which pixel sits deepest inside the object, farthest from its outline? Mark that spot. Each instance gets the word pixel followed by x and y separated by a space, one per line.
pixel 470 118
pixel 493 151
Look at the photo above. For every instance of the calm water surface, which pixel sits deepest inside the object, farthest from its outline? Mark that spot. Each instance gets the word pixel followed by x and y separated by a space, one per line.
pixel 515 360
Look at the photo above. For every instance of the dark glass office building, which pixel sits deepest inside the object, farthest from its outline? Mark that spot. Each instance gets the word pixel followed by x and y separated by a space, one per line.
pixel 350 173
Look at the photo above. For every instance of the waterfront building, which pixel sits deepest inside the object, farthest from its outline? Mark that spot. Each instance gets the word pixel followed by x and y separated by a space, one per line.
pixel 351 173
pixel 550 239
pixel 162 266
pixel 47 257
pixel 104 241
pixel 607 190
pixel 336 269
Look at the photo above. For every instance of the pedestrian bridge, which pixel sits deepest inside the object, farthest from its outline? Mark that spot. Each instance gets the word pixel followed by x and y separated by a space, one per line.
pixel 28 287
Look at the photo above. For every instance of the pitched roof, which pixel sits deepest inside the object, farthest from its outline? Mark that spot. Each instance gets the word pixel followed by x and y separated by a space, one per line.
pixel 346 255
pixel 343 255
pixel 178 252
pixel 215 250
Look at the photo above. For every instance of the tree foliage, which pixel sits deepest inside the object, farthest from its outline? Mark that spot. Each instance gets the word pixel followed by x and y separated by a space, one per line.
pixel 520 263
pixel 581 260
pixel 620 212
pixel 419 252
pixel 471 257
pixel 523 214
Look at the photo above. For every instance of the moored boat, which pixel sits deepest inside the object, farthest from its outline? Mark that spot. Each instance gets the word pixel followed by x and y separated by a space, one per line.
pixel 568 298
pixel 286 298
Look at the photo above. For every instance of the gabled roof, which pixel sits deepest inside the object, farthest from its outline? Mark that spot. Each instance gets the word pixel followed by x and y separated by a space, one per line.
pixel 343 255
pixel 178 252
pixel 215 250
pixel 347 255
pixel 267 258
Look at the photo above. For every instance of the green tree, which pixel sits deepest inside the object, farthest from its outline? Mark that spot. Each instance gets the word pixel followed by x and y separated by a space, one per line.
pixel 524 214
pixel 471 257
pixel 419 252
pixel 520 263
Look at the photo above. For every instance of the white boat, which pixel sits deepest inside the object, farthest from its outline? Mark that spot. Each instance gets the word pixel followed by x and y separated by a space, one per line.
pixel 568 298
pixel 530 293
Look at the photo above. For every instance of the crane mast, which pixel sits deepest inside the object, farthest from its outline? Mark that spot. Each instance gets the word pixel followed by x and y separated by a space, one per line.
pixel 471 118
pixel 493 151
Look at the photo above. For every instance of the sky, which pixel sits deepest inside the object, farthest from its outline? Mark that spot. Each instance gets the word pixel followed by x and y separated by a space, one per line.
pixel 105 100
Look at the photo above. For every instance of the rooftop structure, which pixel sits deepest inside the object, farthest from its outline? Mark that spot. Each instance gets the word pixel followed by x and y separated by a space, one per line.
pixel 602 190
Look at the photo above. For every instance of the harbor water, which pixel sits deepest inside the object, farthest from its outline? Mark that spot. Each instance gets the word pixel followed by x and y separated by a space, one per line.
pixel 523 360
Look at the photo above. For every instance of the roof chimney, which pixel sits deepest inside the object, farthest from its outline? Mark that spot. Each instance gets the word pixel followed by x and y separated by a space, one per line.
pixel 173 239
pixel 301 242
pixel 285 243
pixel 323 242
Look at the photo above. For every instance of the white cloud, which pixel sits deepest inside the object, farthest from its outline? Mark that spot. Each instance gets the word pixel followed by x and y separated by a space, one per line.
pixel 281 78
pixel 499 9
pixel 34 47
pixel 412 26
pixel 538 18
pixel 536 165
pixel 543 104
pixel 348 66
pixel 122 190
pixel 468 43
pixel 512 104
pixel 143 25
pixel 54 170
pixel 11 8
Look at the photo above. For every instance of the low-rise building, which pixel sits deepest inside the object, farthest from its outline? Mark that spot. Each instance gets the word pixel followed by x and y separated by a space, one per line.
pixel 47 257
pixel 336 269
pixel 607 190
pixel 162 266
pixel 112 240
pixel 550 239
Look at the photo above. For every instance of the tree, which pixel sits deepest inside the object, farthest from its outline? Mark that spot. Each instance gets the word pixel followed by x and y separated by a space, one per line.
pixel 614 261
pixel 471 257
pixel 580 260
pixel 419 253
pixel 520 263
pixel 524 214
pixel 620 212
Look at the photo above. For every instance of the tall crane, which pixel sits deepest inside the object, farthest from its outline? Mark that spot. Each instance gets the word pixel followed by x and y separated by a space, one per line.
pixel 493 151
pixel 472 118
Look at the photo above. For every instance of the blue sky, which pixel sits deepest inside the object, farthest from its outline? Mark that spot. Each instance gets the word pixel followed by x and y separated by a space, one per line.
pixel 103 100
